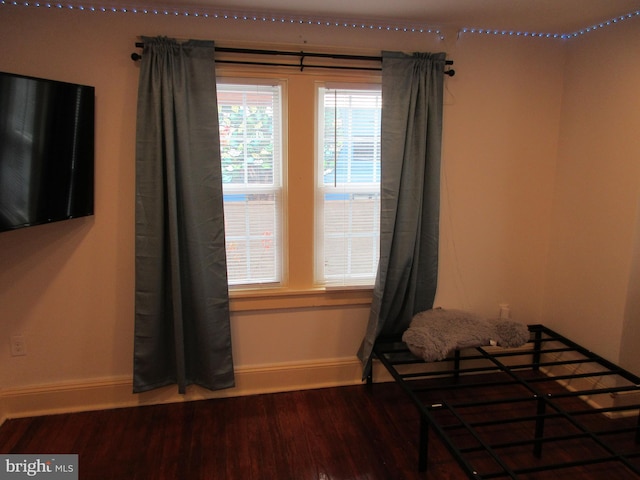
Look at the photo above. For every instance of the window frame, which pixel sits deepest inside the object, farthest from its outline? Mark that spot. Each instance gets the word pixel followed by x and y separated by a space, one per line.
pixel 320 277
pixel 279 177
pixel 298 288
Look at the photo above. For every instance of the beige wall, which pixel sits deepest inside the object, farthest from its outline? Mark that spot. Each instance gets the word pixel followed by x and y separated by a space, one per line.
pixel 68 287
pixel 500 141
pixel 593 250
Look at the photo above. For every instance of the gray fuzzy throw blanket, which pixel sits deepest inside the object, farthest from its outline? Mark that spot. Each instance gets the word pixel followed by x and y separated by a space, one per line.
pixel 434 334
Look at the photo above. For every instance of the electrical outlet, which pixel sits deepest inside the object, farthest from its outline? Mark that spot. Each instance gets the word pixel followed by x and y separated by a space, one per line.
pixel 18 346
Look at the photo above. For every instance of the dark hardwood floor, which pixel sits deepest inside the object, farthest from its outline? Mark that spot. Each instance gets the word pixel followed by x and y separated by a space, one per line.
pixel 344 433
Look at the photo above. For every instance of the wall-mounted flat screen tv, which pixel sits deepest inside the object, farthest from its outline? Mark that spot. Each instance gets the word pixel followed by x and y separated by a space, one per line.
pixel 46 151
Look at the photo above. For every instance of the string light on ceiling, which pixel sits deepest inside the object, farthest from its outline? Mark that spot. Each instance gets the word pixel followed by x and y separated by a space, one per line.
pixel 228 16
pixel 311 21
pixel 583 31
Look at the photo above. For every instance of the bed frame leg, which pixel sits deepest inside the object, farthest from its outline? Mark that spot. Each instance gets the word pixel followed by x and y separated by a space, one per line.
pixel 369 370
pixel 537 345
pixel 539 435
pixel 423 454
pixel 456 365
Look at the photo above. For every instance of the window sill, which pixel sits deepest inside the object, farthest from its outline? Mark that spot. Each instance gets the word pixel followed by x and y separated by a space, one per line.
pixel 279 299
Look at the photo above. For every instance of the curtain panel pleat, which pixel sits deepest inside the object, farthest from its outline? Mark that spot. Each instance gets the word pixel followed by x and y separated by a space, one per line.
pixel 412 100
pixel 182 327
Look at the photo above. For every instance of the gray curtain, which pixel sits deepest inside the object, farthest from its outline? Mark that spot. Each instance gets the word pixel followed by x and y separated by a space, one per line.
pixel 412 98
pixel 182 331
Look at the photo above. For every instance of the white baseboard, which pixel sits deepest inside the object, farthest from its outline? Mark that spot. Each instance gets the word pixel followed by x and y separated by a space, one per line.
pixel 608 400
pixel 116 392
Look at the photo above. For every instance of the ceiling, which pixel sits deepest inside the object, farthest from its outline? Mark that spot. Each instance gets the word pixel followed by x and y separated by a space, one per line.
pixel 540 16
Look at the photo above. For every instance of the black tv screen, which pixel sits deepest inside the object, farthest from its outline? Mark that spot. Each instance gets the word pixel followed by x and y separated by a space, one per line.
pixel 46 151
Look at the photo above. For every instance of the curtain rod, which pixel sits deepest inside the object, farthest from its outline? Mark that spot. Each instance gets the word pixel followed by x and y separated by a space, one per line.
pixel 301 55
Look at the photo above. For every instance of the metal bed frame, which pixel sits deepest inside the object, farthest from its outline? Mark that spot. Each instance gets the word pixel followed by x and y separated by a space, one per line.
pixel 559 393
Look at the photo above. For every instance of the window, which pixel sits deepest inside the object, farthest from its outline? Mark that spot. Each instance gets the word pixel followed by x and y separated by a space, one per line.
pixel 250 116
pixel 301 182
pixel 348 185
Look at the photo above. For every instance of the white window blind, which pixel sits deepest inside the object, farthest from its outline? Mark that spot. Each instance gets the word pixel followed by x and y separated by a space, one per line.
pixel 348 186
pixel 250 118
